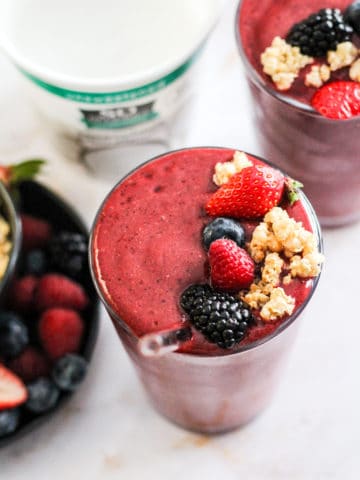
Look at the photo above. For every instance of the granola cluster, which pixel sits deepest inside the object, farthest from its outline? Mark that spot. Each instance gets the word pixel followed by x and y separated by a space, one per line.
pixel 279 235
pixel 283 63
pixel 5 246
pixel 225 170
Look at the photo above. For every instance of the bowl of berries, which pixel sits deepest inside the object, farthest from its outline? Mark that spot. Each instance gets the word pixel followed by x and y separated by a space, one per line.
pixel 49 315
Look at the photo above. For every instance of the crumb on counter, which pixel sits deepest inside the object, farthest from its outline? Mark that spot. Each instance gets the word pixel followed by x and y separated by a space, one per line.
pixel 225 170
pixel 343 56
pixel 283 62
pixel 318 75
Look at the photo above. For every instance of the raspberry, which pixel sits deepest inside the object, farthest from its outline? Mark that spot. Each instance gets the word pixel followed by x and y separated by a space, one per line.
pixel 22 293
pixel 36 232
pixel 220 317
pixel 31 364
pixel 56 290
pixel 232 268
pixel 60 331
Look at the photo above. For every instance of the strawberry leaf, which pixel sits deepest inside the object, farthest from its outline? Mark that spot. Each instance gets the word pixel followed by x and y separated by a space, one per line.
pixel 293 187
pixel 25 170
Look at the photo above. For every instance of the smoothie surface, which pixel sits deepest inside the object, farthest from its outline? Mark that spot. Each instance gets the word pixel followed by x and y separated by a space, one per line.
pixel 260 22
pixel 147 246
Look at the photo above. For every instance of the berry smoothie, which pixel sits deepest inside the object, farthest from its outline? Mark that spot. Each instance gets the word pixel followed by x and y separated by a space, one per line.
pixel 320 152
pixel 146 250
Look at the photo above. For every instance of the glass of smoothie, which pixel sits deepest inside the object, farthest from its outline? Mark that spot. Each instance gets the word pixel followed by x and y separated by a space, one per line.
pixel 147 249
pixel 320 152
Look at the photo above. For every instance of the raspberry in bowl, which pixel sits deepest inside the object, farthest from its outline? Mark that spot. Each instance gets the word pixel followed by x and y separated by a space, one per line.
pixel 302 63
pixel 204 259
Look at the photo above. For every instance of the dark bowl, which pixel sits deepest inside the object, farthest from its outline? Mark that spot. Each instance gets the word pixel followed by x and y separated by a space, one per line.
pixel 9 212
pixel 38 200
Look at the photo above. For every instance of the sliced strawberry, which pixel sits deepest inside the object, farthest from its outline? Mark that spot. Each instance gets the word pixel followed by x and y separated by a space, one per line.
pixel 248 194
pixel 232 268
pixel 338 100
pixel 12 390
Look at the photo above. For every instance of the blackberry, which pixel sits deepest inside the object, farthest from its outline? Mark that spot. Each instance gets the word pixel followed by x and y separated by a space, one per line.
pixel 68 254
pixel 220 317
pixel 320 32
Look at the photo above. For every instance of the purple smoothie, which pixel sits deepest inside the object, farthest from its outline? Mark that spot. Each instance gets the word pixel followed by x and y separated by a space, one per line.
pixel 145 250
pixel 320 152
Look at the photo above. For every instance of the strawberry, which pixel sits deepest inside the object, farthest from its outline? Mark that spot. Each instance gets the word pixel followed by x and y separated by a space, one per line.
pixel 60 332
pixel 15 173
pixel 30 365
pixel 12 390
pixel 231 267
pixel 338 100
pixel 55 290
pixel 36 232
pixel 248 194
pixel 22 293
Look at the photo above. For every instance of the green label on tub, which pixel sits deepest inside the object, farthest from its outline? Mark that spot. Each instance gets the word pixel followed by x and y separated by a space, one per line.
pixel 112 97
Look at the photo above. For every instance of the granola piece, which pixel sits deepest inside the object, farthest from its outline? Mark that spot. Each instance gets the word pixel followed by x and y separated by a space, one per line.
pixel 318 75
pixel 354 71
pixel 225 170
pixel 343 56
pixel 262 241
pixel 272 268
pixel 278 305
pixel 282 62
pixel 306 266
pixel 256 297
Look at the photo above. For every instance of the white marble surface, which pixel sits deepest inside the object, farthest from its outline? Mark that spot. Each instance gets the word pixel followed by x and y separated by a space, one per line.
pixel 108 430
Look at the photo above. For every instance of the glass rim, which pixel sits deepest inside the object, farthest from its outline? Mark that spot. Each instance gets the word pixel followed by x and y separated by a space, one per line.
pixel 316 230
pixel 259 81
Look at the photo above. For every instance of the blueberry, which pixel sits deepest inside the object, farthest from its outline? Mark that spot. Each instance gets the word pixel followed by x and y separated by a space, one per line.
pixel 9 420
pixel 352 16
pixel 69 371
pixel 35 262
pixel 14 335
pixel 43 395
pixel 223 228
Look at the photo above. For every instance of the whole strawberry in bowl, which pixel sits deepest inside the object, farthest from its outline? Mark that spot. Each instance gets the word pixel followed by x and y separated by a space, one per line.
pixel 49 317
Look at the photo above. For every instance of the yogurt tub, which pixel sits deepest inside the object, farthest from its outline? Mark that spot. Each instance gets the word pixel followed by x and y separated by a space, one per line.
pixel 109 73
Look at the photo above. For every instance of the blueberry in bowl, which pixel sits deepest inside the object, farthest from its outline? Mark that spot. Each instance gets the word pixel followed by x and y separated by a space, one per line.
pixel 52 307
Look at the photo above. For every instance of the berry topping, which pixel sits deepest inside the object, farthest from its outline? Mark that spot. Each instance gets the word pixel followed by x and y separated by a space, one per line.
pixel 320 32
pixel 60 331
pixel 352 16
pixel 22 293
pixel 35 262
pixel 248 194
pixel 232 268
pixel 43 395
pixel 223 228
pixel 14 334
pixel 12 390
pixel 9 420
pixel 30 365
pixel 68 253
pixel 36 232
pixel 59 291
pixel 69 371
pixel 338 100
pixel 220 317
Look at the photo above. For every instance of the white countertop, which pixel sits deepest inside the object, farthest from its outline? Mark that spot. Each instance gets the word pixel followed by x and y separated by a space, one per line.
pixel 108 430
